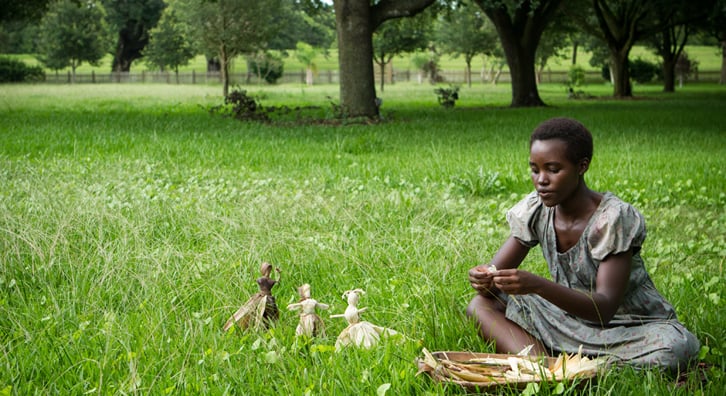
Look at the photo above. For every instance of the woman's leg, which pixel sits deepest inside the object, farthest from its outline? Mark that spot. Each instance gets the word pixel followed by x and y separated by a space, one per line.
pixel 508 337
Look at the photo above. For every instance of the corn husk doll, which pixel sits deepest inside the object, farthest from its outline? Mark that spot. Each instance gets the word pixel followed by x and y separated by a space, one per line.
pixel 260 310
pixel 358 333
pixel 310 323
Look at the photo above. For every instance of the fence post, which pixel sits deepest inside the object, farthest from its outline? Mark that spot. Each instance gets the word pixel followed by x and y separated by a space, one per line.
pixel 69 77
pixel 194 77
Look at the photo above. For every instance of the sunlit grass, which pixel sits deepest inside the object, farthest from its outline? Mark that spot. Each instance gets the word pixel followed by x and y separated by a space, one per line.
pixel 133 223
pixel 708 58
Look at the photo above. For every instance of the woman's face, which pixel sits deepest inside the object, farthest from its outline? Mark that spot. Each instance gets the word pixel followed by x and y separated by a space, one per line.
pixel 554 176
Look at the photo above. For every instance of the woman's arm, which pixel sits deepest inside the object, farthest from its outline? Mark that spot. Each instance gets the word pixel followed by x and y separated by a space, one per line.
pixel 598 306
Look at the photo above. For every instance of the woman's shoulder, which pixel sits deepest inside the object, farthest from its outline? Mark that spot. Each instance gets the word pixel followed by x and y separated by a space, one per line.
pixel 617 226
pixel 613 207
pixel 527 206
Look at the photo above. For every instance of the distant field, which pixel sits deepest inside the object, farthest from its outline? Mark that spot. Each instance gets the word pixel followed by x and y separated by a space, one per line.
pixel 709 59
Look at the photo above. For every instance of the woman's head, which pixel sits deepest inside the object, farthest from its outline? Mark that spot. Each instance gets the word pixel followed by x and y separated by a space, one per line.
pixel 577 138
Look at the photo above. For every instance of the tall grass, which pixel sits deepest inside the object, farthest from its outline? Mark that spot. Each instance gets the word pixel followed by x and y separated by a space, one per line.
pixel 133 223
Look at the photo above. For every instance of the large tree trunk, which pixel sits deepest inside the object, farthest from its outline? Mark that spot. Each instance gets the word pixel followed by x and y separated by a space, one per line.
pixel 355 57
pixel 128 48
pixel 621 73
pixel 356 20
pixel 520 60
pixel 520 30
pixel 669 75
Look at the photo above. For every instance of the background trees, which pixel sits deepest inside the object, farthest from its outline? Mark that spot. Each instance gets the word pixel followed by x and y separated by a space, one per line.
pixel 399 36
pixel 72 33
pixel 465 31
pixel 372 32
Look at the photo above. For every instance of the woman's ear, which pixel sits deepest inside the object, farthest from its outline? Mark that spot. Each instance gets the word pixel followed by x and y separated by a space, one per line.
pixel 584 166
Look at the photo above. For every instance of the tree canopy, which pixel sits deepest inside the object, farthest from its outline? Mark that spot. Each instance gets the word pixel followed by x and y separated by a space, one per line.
pixel 73 33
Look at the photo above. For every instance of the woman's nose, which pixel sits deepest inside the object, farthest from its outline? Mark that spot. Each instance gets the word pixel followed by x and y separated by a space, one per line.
pixel 542 179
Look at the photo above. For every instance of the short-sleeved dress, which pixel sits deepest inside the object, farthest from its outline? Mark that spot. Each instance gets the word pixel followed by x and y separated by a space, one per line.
pixel 643 332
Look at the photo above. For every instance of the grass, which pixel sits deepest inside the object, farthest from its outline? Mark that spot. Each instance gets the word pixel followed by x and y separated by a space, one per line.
pixel 133 224
pixel 709 59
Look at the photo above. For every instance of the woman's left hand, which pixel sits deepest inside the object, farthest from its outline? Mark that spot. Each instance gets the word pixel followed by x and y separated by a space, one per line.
pixel 515 281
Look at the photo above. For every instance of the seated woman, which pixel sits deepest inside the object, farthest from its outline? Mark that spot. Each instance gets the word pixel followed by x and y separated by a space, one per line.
pixel 600 296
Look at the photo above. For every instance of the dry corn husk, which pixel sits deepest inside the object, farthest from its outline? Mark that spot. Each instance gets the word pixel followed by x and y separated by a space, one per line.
pixel 487 370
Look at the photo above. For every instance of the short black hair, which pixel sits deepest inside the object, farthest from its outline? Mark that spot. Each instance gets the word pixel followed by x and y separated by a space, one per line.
pixel 572 132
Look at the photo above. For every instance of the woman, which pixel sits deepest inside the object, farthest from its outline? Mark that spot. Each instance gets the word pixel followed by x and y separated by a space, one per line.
pixel 600 296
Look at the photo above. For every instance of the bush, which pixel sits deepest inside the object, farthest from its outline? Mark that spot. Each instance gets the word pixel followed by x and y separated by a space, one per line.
pixel 576 76
pixel 266 66
pixel 12 70
pixel 447 96
pixel 643 71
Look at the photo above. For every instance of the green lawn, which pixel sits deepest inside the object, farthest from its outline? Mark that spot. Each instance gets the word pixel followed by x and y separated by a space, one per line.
pixel 133 223
pixel 709 59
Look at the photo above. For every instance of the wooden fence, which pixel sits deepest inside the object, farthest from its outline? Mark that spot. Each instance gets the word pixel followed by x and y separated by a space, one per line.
pixel 325 77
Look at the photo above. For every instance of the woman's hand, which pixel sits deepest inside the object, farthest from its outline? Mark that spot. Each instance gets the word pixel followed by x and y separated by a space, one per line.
pixel 514 281
pixel 481 279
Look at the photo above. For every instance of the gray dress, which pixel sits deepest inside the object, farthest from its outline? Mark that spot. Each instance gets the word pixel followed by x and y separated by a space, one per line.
pixel 643 332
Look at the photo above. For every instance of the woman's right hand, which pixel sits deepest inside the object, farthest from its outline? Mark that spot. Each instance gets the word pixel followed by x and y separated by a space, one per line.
pixel 481 279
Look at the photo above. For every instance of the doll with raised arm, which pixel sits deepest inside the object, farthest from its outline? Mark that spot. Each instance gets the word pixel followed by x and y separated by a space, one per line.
pixel 310 323
pixel 358 333
pixel 260 310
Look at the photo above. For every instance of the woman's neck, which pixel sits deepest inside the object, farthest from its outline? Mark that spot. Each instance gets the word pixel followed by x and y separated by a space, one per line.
pixel 580 206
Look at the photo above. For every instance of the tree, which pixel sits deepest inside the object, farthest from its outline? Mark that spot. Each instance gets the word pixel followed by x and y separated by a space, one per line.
pixel 560 33
pixel 669 45
pixel 520 24
pixel 26 10
pixel 295 25
pixel 169 44
pixel 622 23
pixel 306 53
pixel 356 20
pixel 398 36
pixel 73 32
pixel 230 28
pixel 131 20
pixel 716 26
pixel 466 32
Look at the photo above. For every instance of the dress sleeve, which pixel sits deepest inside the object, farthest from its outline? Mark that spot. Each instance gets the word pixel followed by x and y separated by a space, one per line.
pixel 523 219
pixel 617 229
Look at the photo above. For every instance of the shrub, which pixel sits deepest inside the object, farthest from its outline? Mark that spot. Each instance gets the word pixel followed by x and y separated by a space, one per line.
pixel 12 70
pixel 244 107
pixel 447 96
pixel 576 76
pixel 643 71
pixel 266 66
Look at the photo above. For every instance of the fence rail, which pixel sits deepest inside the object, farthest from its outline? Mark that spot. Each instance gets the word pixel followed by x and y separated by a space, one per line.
pixel 325 77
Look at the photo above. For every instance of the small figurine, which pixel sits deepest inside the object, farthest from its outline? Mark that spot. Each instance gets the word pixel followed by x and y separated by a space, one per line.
pixel 310 323
pixel 358 333
pixel 261 308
